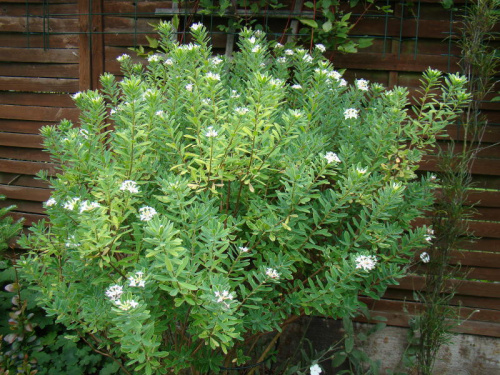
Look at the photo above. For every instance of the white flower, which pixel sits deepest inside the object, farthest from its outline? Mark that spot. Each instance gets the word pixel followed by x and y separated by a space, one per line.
pixel 296 86
pixel 189 87
pixel 241 110
pixel 307 58
pixel 351 113
pixel 281 60
pixel 252 40
pixel 213 76
pixel 321 47
pixel 71 242
pixel 114 292
pixel 244 249
pixel 433 178
pixel 137 280
pixel 332 157
pixel 123 57
pixel 84 133
pixel 362 84
pixel 196 26
pixel 366 262
pixel 425 257
pixel 275 82
pixel 289 52
pixel 272 273
pixel 216 60
pixel 88 206
pixel 206 101
pixel 256 49
pixel 342 82
pixel 430 235
pixel 234 94
pixel 146 213
pixel 154 58
pixel 361 170
pixel 76 95
pixel 223 296
pixel 296 113
pixel 130 186
pixel 71 204
pixel 50 202
pixel 278 45
pixel 211 132
pixel 160 113
pixel 396 185
pixel 315 369
pixel 127 305
pixel 169 62
pixel 334 74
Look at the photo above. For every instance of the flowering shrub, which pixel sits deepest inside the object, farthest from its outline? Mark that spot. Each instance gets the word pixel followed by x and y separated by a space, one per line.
pixel 205 200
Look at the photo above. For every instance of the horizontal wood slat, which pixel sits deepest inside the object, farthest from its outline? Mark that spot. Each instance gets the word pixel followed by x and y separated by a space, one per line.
pixel 29 127
pixel 26 167
pixel 20 180
pixel 37 99
pixel 39 70
pixel 21 140
pixel 464 287
pixel 25 193
pixel 18 112
pixel 39 84
pixel 40 55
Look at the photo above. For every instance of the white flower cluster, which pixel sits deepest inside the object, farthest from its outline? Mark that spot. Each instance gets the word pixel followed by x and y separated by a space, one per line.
pixel 244 249
pixel 123 57
pixel 315 369
pixel 296 113
pixel 289 52
pixel 362 84
pixel 71 204
pixel 137 280
pixel 188 47
pixel 216 60
pixel 296 86
pixel 114 293
pixel 366 262
pixel 88 206
pixel 331 157
pixel 241 110
pixel 425 257
pixel 50 202
pixel 321 47
pixel 196 26
pixel 272 273
pixel 351 113
pixel 211 133
pixel 154 58
pixel 212 76
pixel 430 235
pixel 146 213
pixel 76 95
pixel 223 296
pixel 130 186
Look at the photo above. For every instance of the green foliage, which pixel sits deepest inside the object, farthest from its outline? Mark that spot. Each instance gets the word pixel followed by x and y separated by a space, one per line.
pixel 433 325
pixel 327 21
pixel 8 228
pixel 204 201
pixel 31 342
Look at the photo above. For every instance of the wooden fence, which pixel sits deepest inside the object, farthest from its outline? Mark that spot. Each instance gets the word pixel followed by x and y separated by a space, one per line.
pixel 50 49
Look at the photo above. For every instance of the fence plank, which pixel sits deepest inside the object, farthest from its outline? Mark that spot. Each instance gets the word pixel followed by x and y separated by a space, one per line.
pixel 26 167
pixel 27 55
pixel 25 193
pixel 18 112
pixel 38 84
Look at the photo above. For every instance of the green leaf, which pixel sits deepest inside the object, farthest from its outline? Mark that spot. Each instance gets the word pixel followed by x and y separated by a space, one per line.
pixel 311 23
pixel 327 26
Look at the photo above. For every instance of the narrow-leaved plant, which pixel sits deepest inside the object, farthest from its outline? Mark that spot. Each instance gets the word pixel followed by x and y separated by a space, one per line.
pixel 205 201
